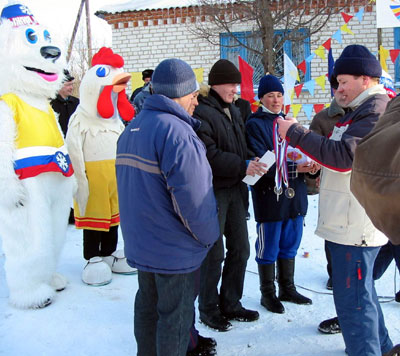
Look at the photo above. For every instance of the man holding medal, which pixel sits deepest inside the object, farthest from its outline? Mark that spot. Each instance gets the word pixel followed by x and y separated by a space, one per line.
pixel 351 238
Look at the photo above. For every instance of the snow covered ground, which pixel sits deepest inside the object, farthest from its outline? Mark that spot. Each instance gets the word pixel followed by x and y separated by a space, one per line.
pixel 99 320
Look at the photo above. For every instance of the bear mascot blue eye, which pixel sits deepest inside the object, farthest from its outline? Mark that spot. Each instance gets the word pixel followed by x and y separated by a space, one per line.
pixel 46 35
pixel 31 35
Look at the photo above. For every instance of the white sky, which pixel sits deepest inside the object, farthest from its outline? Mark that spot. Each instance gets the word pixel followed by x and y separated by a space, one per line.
pixel 60 15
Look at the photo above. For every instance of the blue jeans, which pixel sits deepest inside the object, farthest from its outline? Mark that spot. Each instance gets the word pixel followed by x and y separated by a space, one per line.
pixel 357 306
pixel 163 313
pixel 278 239
pixel 232 211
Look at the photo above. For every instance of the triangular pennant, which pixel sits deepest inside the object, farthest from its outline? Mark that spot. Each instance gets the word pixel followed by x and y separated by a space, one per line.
pixel 287 108
pixel 346 17
pixel 318 107
pixel 295 109
pixel 298 88
pixel 394 53
pixel 310 57
pixel 344 28
pixel 303 66
pixel 338 36
pixel 307 108
pixel 321 81
pixel 327 44
pixel 383 55
pixel 360 14
pixel 320 52
pixel 327 105
pixel 254 106
pixel 310 86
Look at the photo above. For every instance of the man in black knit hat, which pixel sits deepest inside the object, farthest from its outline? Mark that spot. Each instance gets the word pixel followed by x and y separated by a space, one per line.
pixel 222 131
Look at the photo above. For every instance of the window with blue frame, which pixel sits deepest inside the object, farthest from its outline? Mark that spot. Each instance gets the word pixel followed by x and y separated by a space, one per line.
pixel 297 52
pixel 396 31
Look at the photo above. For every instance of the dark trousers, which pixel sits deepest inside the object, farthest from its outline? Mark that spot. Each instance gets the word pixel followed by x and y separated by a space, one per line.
pixel 357 306
pixel 232 222
pixel 163 313
pixel 99 243
pixel 385 257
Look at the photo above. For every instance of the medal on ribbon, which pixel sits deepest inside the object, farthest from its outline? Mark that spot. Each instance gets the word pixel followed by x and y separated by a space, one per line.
pixel 281 172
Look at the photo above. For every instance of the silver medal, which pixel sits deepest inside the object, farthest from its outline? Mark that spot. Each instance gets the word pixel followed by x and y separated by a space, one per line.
pixel 290 193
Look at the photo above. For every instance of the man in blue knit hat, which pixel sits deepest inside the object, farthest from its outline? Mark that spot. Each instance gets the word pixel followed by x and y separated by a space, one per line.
pixel 351 238
pixel 168 210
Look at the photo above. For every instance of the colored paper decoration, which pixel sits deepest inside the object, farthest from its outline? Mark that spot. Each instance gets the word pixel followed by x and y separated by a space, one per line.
pixel 310 86
pixel 318 107
pixel 303 66
pixel 346 17
pixel 295 109
pixel 394 53
pixel 327 44
pixel 298 89
pixel 307 108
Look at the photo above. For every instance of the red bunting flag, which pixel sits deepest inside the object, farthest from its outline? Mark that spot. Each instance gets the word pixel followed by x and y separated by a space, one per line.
pixel 327 44
pixel 287 108
pixel 318 107
pixel 298 88
pixel 303 66
pixel 246 87
pixel 394 53
pixel 346 17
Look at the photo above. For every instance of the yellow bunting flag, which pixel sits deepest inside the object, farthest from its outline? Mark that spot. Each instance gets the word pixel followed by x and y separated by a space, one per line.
pixel 295 109
pixel 345 28
pixel 383 55
pixel 328 105
pixel 321 81
pixel 199 72
pixel 320 52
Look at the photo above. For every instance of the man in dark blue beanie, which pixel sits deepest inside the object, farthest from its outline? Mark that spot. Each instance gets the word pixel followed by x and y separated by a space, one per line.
pixel 168 211
pixel 351 238
pixel 222 131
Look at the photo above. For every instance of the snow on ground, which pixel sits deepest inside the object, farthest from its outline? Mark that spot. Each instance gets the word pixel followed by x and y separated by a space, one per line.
pixel 98 321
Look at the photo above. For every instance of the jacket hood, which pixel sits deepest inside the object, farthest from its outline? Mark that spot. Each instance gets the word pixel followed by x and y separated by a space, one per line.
pixel 157 102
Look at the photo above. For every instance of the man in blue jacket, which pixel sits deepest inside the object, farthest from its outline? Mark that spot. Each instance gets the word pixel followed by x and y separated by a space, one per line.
pixel 168 209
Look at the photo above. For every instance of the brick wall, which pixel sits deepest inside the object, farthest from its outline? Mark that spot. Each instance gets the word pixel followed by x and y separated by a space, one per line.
pixel 144 38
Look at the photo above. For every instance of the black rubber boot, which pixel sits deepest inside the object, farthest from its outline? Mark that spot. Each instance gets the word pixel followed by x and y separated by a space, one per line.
pixel 267 288
pixel 287 289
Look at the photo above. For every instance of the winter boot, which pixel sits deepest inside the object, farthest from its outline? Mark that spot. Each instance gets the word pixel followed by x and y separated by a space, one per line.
pixel 96 272
pixel 118 264
pixel 267 287
pixel 287 289
pixel 205 347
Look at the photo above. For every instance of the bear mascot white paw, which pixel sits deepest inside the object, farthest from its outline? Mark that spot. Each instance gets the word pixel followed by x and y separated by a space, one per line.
pixel 36 176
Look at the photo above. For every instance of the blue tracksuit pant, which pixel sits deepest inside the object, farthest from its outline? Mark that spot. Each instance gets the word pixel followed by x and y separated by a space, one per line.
pixel 278 239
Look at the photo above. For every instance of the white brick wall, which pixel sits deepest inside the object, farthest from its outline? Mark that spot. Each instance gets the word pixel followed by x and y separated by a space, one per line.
pixel 145 46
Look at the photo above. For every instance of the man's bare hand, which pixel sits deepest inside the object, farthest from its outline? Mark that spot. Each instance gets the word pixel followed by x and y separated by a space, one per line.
pixel 284 126
pixel 256 167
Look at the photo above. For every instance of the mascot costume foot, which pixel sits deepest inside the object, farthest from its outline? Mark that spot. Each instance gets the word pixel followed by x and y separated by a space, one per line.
pixel 92 136
pixel 36 181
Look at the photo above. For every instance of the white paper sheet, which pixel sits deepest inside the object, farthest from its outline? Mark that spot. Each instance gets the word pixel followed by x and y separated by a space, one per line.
pixel 269 159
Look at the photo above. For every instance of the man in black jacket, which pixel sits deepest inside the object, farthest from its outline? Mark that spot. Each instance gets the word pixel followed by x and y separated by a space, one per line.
pixel 65 104
pixel 222 131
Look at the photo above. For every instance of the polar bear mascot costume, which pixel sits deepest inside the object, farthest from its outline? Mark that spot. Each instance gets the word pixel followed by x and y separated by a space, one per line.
pixel 36 177
pixel 92 136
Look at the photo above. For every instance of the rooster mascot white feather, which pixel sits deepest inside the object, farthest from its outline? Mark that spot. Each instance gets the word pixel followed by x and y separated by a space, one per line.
pixel 36 177
pixel 92 136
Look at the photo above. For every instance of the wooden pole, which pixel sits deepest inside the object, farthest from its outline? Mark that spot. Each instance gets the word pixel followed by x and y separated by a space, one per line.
pixel 74 31
pixel 89 33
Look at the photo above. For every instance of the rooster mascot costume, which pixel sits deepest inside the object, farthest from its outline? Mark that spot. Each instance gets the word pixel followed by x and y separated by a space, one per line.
pixel 92 136
pixel 36 181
